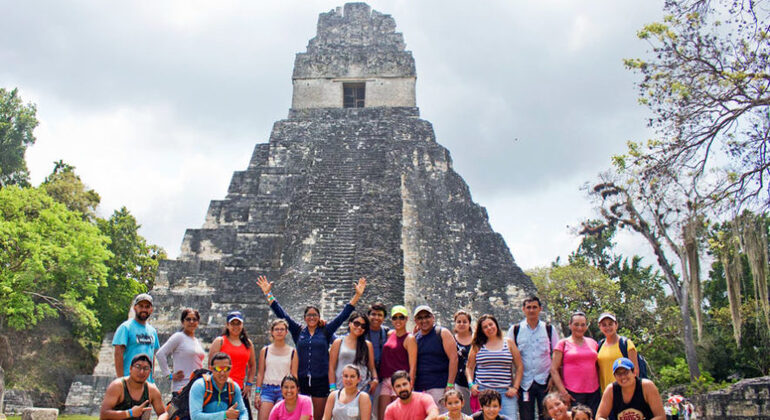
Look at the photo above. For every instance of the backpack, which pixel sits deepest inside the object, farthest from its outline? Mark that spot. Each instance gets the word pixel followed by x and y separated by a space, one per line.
pixel 640 360
pixel 548 331
pixel 179 406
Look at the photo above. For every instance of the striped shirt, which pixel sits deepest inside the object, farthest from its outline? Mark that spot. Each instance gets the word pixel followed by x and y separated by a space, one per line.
pixel 493 367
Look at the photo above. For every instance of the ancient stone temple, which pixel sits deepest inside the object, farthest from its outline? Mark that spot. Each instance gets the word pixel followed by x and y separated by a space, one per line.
pixel 351 184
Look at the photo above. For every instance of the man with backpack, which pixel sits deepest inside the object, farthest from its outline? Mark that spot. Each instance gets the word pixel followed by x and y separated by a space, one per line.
pixel 215 396
pixel 536 340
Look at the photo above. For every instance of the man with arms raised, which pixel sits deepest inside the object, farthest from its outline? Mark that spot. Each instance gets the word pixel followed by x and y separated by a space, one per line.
pixel 409 405
pixel 135 336
pixel 215 396
pixel 436 355
pixel 131 396
pixel 536 341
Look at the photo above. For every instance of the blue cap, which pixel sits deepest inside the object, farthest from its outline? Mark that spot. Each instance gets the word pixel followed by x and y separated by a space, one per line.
pixel 624 363
pixel 234 315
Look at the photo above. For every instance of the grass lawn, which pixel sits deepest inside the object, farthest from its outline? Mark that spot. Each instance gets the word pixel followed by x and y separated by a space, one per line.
pixel 64 417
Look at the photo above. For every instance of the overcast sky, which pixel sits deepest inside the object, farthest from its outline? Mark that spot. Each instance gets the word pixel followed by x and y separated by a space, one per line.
pixel 157 103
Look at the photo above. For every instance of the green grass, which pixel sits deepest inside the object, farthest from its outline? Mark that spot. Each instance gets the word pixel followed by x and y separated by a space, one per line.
pixel 64 417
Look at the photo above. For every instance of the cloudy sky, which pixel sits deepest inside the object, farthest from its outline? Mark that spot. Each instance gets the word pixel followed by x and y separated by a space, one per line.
pixel 157 102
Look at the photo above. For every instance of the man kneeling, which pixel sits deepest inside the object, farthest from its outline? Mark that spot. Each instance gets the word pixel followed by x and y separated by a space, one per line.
pixel 215 394
pixel 129 397
pixel 409 405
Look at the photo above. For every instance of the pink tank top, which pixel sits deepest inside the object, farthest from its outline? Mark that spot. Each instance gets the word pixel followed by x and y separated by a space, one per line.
pixel 394 356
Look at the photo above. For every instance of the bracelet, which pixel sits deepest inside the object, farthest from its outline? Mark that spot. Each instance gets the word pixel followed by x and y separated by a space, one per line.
pixel 258 390
pixel 450 385
pixel 471 384
pixel 170 376
pixel 130 413
pixel 333 387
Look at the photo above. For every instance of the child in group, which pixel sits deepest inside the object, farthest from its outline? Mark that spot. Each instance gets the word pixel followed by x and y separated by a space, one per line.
pixel 582 412
pixel 453 401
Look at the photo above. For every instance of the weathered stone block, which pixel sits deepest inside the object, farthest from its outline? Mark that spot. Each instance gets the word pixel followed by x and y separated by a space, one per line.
pixel 34 413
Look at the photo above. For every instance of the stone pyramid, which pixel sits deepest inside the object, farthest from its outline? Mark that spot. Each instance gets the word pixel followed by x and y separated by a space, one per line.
pixel 351 184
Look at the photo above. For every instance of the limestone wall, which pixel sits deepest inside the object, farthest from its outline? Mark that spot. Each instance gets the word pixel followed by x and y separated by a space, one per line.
pixel 748 399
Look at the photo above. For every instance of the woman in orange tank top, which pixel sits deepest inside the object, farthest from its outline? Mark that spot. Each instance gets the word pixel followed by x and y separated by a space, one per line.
pixel 235 342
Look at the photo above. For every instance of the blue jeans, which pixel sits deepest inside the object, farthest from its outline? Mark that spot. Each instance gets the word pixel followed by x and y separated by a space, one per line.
pixel 509 406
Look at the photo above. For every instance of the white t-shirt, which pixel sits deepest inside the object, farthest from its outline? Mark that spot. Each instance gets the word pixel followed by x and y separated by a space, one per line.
pixel 188 355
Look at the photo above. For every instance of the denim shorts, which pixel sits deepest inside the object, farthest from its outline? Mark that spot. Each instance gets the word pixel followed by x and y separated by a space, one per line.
pixel 271 394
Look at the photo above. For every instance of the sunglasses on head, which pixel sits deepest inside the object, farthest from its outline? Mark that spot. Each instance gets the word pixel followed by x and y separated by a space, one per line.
pixel 221 369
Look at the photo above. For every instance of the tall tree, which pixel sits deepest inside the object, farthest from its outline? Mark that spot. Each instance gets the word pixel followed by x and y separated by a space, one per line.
pixel 17 123
pixel 658 209
pixel 65 186
pixel 132 267
pixel 707 83
pixel 51 261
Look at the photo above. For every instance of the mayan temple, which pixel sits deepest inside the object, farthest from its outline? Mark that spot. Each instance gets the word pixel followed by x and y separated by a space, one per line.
pixel 351 184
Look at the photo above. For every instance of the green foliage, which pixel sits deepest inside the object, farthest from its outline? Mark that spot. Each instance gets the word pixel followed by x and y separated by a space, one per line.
pixel 17 123
pixel 51 261
pixel 575 287
pixel 64 186
pixel 132 267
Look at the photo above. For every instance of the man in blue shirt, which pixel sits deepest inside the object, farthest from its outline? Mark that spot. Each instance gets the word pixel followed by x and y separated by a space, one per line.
pixel 223 400
pixel 135 337
pixel 536 341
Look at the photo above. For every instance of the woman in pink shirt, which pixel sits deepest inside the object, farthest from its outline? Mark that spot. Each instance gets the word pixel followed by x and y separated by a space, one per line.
pixel 574 369
pixel 293 406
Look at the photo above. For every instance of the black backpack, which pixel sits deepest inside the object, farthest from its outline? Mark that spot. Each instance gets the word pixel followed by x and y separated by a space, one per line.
pixel 640 360
pixel 179 406
pixel 548 331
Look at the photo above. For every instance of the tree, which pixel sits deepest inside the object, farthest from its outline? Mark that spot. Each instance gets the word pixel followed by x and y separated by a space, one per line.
pixel 575 287
pixel 132 267
pixel 64 186
pixel 17 123
pixel 661 212
pixel 51 261
pixel 707 83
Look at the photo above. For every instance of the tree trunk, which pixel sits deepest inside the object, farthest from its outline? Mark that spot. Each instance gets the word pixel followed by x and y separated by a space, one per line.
pixel 690 234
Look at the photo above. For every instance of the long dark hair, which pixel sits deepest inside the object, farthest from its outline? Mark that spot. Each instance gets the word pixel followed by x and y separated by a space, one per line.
pixel 362 350
pixel 244 337
pixel 479 337
pixel 321 322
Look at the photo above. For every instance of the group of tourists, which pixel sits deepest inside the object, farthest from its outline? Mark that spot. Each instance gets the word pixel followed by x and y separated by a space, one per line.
pixel 475 370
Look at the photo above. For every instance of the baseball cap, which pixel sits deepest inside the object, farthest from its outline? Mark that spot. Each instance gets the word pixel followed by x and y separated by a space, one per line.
pixel 399 309
pixel 622 362
pixel 609 315
pixel 141 356
pixel 142 296
pixel 423 308
pixel 234 315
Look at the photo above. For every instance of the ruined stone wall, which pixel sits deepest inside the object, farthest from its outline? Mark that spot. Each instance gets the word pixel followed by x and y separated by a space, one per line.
pixel 748 399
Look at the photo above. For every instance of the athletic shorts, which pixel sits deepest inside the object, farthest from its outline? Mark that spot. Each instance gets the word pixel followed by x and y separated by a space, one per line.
pixel 319 387
pixel 387 388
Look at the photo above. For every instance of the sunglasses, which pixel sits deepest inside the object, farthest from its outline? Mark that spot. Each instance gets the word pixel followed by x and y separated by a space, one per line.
pixel 398 318
pixel 422 317
pixel 358 324
pixel 142 368
pixel 221 369
pixel 191 319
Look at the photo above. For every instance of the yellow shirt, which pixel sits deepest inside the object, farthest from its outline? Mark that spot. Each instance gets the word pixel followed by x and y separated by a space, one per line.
pixel 607 356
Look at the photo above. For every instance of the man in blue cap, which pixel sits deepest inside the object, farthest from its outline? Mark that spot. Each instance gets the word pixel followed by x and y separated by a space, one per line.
pixel 135 337
pixel 629 397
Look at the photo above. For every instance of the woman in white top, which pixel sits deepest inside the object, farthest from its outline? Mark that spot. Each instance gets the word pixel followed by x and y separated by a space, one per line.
pixel 349 403
pixel 276 361
pixel 185 349
pixel 353 349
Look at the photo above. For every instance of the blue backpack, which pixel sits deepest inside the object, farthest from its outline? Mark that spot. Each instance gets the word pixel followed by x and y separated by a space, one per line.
pixel 640 360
